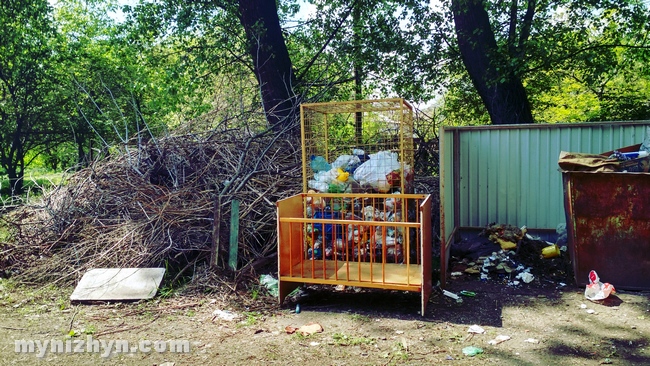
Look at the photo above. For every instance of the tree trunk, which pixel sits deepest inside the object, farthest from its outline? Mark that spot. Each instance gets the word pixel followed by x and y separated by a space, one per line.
pixel 500 88
pixel 16 176
pixel 14 162
pixel 272 65
pixel 358 70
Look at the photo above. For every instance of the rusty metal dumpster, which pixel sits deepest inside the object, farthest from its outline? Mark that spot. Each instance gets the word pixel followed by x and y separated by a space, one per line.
pixel 608 226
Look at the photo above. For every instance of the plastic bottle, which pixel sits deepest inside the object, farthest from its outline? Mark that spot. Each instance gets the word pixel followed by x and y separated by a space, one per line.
pixel 551 251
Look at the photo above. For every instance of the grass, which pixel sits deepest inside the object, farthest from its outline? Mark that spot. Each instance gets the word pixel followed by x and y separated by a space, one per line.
pixel 34 183
pixel 346 340
pixel 251 318
pixel 360 318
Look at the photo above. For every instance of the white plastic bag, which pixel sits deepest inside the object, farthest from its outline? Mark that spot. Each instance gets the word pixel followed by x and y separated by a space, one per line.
pixel 345 161
pixel 374 171
pixel 323 179
pixel 597 290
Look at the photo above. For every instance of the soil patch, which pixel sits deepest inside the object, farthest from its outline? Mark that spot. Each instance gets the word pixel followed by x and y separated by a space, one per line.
pixel 544 324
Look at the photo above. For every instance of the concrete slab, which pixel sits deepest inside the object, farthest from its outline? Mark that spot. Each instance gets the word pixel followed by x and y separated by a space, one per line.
pixel 115 284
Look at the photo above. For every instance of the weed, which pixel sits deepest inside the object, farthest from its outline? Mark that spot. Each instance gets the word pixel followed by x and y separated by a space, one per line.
pixel 360 318
pixel 401 351
pixel 166 291
pixel 252 318
pixel 345 340
pixel 456 338
pixel 273 355
pixel 61 303
pixel 255 293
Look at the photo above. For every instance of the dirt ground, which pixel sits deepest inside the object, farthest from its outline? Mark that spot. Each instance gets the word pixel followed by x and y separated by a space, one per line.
pixel 547 324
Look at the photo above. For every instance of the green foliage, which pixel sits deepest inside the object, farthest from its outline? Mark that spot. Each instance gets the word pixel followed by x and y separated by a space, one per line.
pixel 35 182
pixel 75 83
pixel 578 60
pixel 30 86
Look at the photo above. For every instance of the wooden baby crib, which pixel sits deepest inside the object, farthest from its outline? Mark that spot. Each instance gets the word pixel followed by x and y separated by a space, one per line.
pixel 366 240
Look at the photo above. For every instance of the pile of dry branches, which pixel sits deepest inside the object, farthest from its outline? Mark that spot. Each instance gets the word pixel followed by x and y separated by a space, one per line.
pixel 155 205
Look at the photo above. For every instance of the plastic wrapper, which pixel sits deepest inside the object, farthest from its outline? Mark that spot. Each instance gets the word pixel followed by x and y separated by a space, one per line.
pixel 597 290
pixel 374 171
pixel 346 162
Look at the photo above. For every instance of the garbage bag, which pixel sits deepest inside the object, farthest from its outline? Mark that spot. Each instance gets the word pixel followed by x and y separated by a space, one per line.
pixel 373 172
pixel 271 284
pixel 345 162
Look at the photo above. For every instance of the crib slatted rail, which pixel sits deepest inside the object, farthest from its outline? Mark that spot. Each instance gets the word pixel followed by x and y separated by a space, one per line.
pixel 321 245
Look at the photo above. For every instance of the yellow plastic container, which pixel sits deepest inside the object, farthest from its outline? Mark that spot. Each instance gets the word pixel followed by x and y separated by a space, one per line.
pixel 551 251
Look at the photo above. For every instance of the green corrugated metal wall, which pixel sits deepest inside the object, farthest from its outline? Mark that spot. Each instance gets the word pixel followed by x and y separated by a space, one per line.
pixel 509 174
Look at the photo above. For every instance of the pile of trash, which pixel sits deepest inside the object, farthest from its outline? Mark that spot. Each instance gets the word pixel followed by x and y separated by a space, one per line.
pixel 358 173
pixel 364 241
pixel 509 255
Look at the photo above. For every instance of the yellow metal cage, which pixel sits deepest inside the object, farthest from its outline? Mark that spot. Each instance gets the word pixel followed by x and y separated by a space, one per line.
pixel 366 240
pixel 340 137
pixel 357 222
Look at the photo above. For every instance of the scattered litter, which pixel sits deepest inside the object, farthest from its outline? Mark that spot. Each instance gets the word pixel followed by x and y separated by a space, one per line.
pixel 476 329
pixel 314 344
pixel 551 251
pixel 472 351
pixel 507 236
pixel 535 260
pixel 225 315
pixel 531 340
pixel 271 284
pixel 468 293
pixel 597 290
pixel 591 311
pixel 498 339
pixel 456 274
pixel 399 332
pixel 448 357
pixel 583 306
pixel 527 277
pixel 310 328
pixel 452 295
pixel 307 329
